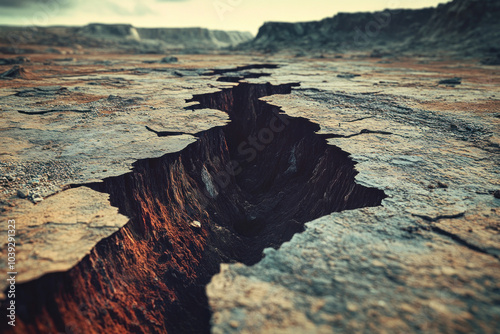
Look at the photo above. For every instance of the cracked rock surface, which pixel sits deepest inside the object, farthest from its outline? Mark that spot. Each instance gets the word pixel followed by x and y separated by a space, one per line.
pixel 426 260
pixel 57 233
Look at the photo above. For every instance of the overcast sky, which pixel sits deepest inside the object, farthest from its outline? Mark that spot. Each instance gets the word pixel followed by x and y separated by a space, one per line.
pixel 245 15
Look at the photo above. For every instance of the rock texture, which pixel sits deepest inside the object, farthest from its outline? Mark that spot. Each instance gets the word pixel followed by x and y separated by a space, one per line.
pixel 466 27
pixel 59 231
pixel 410 265
pixel 384 272
pixel 215 201
pixel 425 260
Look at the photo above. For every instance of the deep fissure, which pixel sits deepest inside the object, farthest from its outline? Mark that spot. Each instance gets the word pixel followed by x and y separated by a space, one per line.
pixel 238 189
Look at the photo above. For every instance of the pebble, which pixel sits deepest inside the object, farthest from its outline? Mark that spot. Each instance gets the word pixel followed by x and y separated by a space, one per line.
pixel 196 224
pixel 442 185
pixel 452 81
pixel 381 303
pixel 22 193
pixel 169 60
pixel 351 307
pixel 448 271
pixel 37 199
pixel 377 263
pixel 34 182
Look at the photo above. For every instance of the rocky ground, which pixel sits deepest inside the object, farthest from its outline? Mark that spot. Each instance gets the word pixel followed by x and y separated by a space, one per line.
pixel 425 260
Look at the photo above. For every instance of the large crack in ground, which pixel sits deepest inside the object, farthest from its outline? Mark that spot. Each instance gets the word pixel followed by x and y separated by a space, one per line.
pixel 240 188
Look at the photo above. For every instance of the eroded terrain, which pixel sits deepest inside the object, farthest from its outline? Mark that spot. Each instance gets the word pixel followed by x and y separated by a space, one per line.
pixel 135 156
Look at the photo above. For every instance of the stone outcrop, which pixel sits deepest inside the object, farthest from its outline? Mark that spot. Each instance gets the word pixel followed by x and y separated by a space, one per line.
pixel 467 27
pixel 124 37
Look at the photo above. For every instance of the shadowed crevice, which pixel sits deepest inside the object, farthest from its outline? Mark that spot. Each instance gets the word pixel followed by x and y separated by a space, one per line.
pixel 237 190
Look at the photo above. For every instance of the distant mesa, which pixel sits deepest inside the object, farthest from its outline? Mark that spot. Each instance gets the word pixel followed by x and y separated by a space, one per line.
pixel 115 31
pixel 122 37
pixel 465 27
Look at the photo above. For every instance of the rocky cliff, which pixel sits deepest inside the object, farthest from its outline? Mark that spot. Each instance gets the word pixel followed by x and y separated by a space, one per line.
pixel 195 37
pixel 124 36
pixel 468 26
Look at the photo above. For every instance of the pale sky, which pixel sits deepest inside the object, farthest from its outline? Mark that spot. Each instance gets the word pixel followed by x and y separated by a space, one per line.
pixel 245 15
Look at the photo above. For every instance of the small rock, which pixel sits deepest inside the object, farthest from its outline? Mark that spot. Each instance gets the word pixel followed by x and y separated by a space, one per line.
pixel 442 185
pixel 22 193
pixel 196 224
pixel 113 97
pixel 37 199
pixel 382 303
pixel 496 193
pixel 234 324
pixel 34 182
pixel 377 263
pixel 348 75
pixel 351 307
pixel 169 60
pixel 452 81
pixel 448 271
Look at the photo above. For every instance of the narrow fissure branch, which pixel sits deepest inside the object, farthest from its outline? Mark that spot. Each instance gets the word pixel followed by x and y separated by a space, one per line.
pixel 237 190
